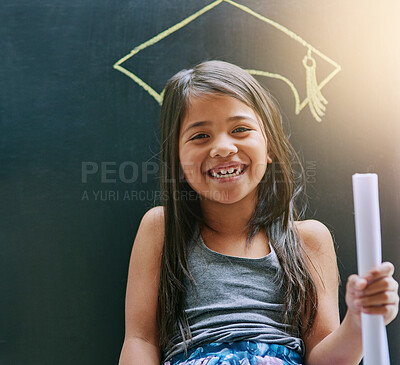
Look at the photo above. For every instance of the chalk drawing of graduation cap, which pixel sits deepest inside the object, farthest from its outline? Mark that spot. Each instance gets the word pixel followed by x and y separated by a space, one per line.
pixel 311 87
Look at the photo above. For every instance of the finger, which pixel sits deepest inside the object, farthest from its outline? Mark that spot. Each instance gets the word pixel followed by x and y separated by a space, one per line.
pixel 386 283
pixel 385 310
pixel 383 298
pixel 384 269
pixel 355 284
pixel 389 312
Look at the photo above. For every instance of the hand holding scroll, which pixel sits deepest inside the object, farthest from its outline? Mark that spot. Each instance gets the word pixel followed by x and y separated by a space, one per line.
pixel 376 292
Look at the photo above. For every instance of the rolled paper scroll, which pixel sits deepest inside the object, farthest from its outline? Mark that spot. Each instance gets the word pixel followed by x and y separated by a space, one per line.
pixel 369 255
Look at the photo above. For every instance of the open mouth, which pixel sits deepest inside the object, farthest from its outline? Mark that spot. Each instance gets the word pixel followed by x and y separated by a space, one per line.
pixel 228 172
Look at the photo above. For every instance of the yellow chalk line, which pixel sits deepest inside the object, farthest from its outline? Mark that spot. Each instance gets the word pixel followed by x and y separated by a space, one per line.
pixel 280 77
pixel 154 40
pixel 297 38
pixel 169 31
pixel 159 96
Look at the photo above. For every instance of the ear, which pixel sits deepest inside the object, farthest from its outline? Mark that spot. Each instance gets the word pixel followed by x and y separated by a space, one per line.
pixel 181 174
pixel 270 154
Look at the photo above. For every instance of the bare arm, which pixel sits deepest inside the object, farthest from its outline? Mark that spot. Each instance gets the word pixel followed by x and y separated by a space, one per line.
pixel 331 342
pixel 139 351
pixel 141 344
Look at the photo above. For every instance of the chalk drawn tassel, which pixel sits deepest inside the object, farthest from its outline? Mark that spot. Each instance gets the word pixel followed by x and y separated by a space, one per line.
pixel 316 100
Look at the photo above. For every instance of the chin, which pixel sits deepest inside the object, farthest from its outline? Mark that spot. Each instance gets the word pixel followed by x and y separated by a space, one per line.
pixel 223 197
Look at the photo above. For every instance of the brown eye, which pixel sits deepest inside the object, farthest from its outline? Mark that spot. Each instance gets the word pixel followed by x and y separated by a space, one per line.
pixel 241 129
pixel 199 136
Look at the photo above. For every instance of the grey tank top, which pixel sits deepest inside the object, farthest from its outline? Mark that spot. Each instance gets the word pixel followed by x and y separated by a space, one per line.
pixel 234 299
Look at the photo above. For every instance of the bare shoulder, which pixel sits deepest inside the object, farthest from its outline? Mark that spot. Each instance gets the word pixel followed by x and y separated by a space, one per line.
pixel 143 278
pixel 315 235
pixel 152 226
pixel 322 263
pixel 320 252
pixel 154 216
pixel 155 212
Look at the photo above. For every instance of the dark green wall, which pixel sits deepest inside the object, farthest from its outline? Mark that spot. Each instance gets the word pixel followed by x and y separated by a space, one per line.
pixel 65 111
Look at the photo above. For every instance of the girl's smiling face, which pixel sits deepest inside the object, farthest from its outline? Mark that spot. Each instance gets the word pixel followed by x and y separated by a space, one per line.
pixel 222 148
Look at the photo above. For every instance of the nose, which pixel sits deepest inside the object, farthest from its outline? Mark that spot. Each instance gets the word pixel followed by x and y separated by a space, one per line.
pixel 223 147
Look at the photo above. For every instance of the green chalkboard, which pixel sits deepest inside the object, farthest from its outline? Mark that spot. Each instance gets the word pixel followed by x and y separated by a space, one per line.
pixel 81 87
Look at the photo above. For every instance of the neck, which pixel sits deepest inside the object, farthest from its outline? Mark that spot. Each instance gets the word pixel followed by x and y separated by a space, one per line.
pixel 229 219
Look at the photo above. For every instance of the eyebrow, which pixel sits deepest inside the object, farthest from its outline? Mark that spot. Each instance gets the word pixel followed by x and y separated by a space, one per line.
pixel 207 122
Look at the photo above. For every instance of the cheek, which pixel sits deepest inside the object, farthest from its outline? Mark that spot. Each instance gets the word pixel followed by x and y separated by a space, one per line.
pixel 260 170
pixel 260 159
pixel 188 173
pixel 190 166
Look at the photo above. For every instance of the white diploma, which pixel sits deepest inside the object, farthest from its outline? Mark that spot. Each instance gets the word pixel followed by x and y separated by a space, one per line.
pixel 369 255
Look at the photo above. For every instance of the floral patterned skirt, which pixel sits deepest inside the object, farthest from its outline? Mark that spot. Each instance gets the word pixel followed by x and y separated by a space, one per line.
pixel 238 353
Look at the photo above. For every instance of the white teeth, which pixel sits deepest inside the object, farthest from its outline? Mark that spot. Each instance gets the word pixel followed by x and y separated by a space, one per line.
pixel 227 173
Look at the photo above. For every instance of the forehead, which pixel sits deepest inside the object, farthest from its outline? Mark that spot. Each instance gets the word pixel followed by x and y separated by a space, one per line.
pixel 216 107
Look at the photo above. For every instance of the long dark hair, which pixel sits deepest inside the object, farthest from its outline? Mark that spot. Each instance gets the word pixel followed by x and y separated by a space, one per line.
pixel 275 211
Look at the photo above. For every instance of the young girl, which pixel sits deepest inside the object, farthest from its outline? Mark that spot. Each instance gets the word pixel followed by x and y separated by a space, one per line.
pixel 224 272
